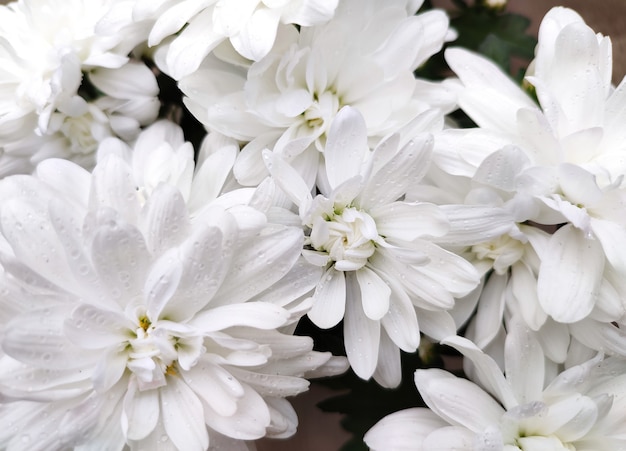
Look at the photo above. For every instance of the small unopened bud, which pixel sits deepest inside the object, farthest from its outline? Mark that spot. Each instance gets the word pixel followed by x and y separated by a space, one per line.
pixel 494 5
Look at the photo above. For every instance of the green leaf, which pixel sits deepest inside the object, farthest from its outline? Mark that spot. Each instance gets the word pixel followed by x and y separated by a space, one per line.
pixel 499 36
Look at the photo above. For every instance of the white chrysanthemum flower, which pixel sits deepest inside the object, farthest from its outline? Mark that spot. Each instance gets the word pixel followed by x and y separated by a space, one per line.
pixel 560 163
pixel 364 57
pixel 136 323
pixel 526 408
pixel 383 273
pixel 200 25
pixel 126 100
pixel 47 43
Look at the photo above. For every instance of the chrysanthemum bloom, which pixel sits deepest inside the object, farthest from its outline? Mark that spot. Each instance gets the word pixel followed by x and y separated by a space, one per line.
pixel 135 323
pixel 198 26
pixel 383 275
pixel 46 110
pixel 525 408
pixel 559 163
pixel 364 57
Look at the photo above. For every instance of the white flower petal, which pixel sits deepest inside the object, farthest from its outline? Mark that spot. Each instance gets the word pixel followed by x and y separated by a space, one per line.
pixel 216 386
pixel 471 224
pixel 69 178
pixel 401 173
pixel 570 274
pixel 113 185
pixel 48 347
pixel 491 99
pixel 400 322
pixel 375 293
pixel 259 315
pixel 436 324
pixel 458 401
pixel 260 263
pixel 183 416
pixel 346 146
pixel 120 258
pixel 522 277
pixel 171 20
pixel 389 367
pixel 361 334
pixel 161 283
pixel 164 219
pixel 256 38
pixel 288 179
pixel 407 221
pixel 141 412
pixel 27 228
pixel 329 299
pixel 192 45
pixel 93 328
pixel 248 423
pixel 524 363
pixel 403 430
pixel 487 370
pixel 489 314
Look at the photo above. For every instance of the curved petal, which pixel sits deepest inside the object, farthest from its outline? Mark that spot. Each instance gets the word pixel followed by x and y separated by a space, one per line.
pixel 458 401
pixel 361 334
pixel 570 275
pixel 329 300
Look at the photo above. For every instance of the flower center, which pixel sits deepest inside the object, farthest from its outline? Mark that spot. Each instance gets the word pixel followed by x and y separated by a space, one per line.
pixel 157 351
pixel 348 236
pixel 321 112
pixel 504 251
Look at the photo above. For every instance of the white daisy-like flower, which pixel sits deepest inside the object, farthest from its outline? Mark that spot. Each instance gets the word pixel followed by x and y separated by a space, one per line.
pixel 124 100
pixel 383 275
pixel 138 324
pixel 560 163
pixel 364 57
pixel 198 26
pixel 525 408
pixel 47 43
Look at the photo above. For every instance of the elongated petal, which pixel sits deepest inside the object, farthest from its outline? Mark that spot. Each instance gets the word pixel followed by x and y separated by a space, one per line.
pixel 570 274
pixel 216 386
pixel 259 315
pixel 388 371
pixel 164 219
pixel 329 299
pixel 120 258
pixel 403 430
pixel 471 224
pixel 248 423
pixel 94 328
pixel 161 283
pixel 400 322
pixel 183 416
pixel 34 241
pixel 346 146
pixel 491 98
pixel 458 401
pixel 48 347
pixel 375 293
pixel 361 334
pixel 524 363
pixel 409 221
pixel 288 179
pixel 260 263
pixel 141 412
pixel 487 370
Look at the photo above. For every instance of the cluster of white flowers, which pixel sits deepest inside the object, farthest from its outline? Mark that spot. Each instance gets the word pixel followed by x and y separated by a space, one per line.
pixel 150 291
